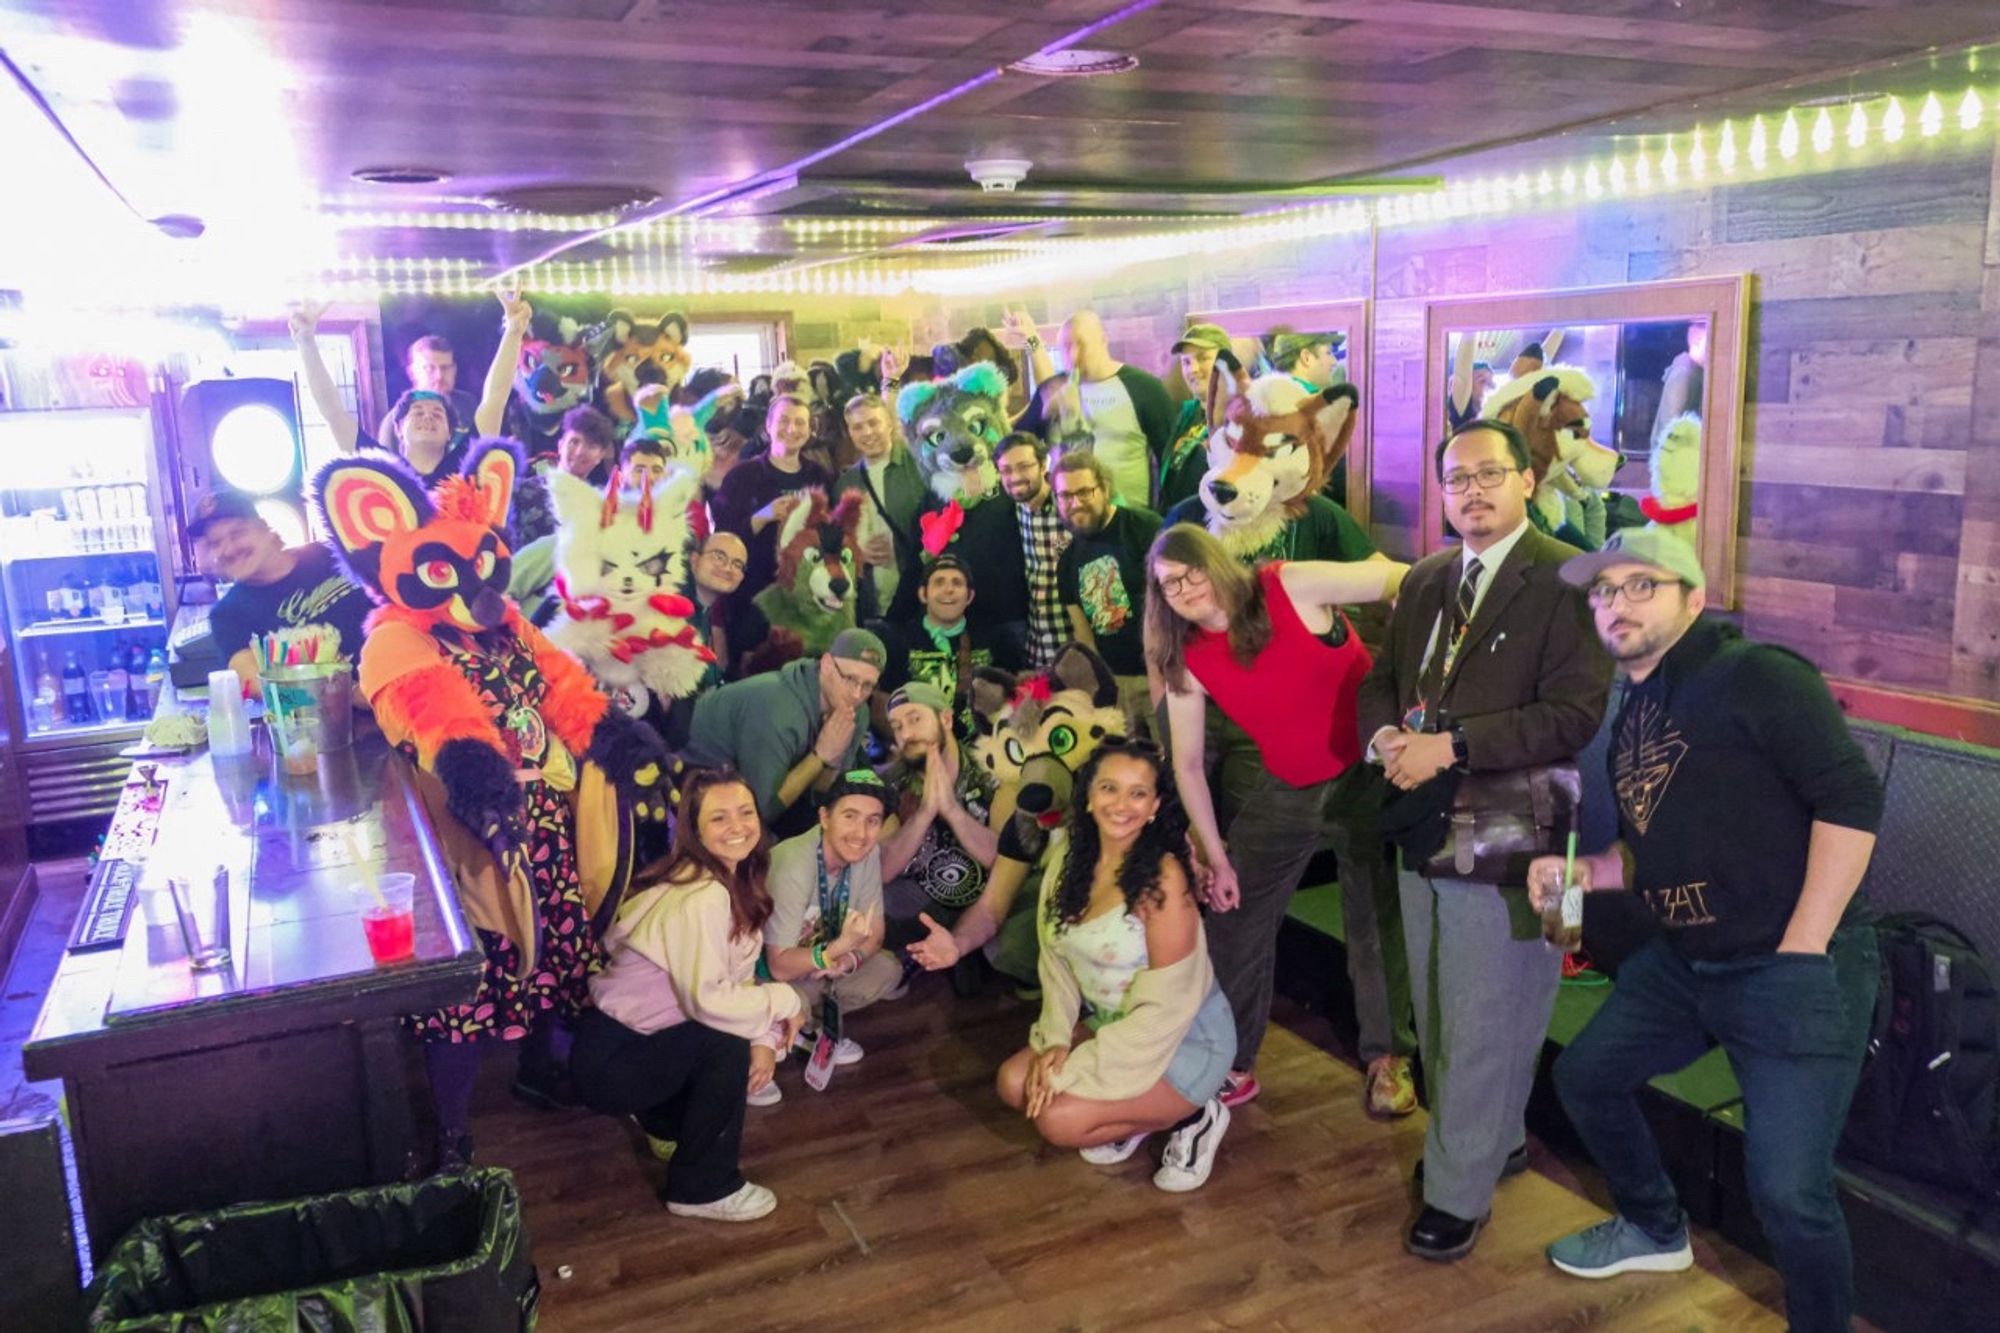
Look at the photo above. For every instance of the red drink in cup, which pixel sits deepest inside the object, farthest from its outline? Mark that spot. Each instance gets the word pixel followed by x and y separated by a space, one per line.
pixel 388 920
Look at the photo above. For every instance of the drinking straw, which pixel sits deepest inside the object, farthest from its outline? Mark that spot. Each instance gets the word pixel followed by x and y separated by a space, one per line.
pixel 355 848
pixel 1569 861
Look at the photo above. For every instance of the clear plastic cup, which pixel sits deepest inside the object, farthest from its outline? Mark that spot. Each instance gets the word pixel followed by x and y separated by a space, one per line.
pixel 388 916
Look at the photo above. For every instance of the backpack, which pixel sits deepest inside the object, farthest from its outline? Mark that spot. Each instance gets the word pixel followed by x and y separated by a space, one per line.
pixel 1925 1107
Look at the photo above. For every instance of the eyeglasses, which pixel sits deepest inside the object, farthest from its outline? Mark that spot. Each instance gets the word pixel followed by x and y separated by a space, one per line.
pixel 1486 478
pixel 1078 493
pixel 1172 584
pixel 861 685
pixel 725 560
pixel 1638 591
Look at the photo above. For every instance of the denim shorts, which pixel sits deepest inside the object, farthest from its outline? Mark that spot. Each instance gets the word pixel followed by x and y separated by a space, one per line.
pixel 1202 1060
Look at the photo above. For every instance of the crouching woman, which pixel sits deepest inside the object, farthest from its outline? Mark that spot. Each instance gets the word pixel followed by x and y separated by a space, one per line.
pixel 1123 950
pixel 682 1029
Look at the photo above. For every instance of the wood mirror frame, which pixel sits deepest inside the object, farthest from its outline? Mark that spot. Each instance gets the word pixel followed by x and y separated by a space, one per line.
pixel 1723 301
pixel 1349 319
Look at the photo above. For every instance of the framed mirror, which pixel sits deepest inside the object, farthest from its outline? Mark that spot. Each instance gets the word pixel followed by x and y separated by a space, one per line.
pixel 1639 393
pixel 1345 325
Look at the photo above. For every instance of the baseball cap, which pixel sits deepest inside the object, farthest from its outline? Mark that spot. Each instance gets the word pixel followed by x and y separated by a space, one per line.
pixel 923 694
pixel 949 561
pixel 1645 546
pixel 1213 337
pixel 858 782
pixel 858 645
pixel 1286 346
pixel 218 505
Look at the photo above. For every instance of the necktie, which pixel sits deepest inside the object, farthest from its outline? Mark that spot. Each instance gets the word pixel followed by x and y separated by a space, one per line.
pixel 1468 593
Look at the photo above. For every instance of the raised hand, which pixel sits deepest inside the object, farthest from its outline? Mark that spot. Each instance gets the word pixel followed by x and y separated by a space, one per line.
pixel 303 322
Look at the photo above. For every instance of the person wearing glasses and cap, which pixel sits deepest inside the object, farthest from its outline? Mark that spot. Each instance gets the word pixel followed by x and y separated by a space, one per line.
pixel 1186 458
pixel 1312 359
pixel 792 730
pixel 1747 817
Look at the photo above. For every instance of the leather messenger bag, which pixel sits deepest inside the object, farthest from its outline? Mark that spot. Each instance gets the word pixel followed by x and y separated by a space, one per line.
pixel 1484 827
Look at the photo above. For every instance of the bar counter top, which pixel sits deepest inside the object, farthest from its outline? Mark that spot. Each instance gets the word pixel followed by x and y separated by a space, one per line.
pixel 288 844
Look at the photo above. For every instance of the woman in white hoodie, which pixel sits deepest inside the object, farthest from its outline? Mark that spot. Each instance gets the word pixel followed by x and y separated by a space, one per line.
pixel 682 1029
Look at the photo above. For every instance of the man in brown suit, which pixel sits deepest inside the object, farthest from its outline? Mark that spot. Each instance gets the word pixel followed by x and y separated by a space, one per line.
pixel 1491 665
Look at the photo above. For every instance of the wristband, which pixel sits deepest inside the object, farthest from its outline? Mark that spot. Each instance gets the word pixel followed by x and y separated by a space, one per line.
pixel 1033 342
pixel 819 956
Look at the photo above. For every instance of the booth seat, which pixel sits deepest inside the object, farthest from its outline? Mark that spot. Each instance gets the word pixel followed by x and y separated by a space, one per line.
pixel 1917 1263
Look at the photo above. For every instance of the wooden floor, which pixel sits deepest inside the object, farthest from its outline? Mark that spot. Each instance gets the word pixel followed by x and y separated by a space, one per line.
pixel 910 1198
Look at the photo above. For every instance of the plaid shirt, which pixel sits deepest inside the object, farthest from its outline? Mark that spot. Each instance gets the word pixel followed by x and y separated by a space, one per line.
pixel 1043 541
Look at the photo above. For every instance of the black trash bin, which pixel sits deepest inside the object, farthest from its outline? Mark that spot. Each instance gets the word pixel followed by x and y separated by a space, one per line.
pixel 435 1256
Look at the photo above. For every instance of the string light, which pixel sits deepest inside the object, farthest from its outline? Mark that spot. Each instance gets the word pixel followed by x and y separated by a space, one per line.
pixel 1970 108
pixel 1892 122
pixel 1788 137
pixel 1857 127
pixel 1725 155
pixel 1930 120
pixel 1759 144
pixel 1822 131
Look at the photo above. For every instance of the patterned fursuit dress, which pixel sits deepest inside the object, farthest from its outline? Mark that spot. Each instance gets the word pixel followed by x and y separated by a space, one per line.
pixel 507 1005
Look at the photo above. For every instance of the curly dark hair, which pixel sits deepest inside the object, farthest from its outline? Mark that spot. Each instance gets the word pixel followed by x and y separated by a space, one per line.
pixel 1139 875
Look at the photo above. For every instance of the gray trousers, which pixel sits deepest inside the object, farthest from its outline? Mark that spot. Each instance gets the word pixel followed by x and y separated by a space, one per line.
pixel 1273 830
pixel 1484 985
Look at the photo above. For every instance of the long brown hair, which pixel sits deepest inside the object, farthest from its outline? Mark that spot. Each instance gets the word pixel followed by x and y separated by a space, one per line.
pixel 1237 591
pixel 688 861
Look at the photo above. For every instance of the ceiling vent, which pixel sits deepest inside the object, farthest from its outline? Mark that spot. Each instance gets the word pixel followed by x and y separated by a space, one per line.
pixel 1075 63
pixel 400 175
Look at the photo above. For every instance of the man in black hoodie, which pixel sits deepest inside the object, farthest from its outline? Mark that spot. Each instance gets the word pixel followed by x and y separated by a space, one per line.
pixel 1747 815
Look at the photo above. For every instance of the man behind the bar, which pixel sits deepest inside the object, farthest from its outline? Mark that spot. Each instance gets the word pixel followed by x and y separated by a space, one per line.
pixel 1490 668
pixel 1747 815
pixel 274 586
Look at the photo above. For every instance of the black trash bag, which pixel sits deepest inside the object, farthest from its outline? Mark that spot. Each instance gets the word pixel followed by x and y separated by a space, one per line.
pixel 435 1256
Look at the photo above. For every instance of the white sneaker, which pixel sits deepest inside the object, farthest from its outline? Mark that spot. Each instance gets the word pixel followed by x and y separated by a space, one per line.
pixel 1190 1154
pixel 847 1051
pixel 746 1205
pixel 768 1095
pixel 1112 1153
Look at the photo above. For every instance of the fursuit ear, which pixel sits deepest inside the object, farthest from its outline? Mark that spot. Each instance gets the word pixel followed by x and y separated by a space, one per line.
pixel 911 401
pixel 1218 397
pixel 577 503
pixel 1545 387
pixel 847 513
pixel 363 502
pixel 494 466
pixel 675 491
pixel 1335 421
pixel 983 378
pixel 992 687
pixel 1078 668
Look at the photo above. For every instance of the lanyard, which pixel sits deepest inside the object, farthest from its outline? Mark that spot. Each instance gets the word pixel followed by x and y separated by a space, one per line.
pixel 832 899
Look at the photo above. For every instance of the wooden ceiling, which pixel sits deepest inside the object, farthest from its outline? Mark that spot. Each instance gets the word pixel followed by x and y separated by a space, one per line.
pixel 199 106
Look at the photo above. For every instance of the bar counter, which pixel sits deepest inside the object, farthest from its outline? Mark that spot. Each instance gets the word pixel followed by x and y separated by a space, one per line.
pixel 282 1072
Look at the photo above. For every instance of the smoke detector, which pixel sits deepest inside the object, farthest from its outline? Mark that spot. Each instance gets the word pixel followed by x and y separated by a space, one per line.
pixel 998 175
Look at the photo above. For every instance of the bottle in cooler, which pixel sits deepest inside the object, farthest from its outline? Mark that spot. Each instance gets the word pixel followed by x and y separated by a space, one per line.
pixel 119 681
pixel 47 709
pixel 77 710
pixel 156 679
pixel 73 597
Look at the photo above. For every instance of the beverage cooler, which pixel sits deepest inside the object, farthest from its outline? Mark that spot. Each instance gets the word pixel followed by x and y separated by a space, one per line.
pixel 85 595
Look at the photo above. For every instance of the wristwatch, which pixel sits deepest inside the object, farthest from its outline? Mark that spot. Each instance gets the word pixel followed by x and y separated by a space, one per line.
pixel 1033 342
pixel 1461 756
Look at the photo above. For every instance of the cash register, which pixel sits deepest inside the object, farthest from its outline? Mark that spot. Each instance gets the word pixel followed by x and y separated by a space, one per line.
pixel 191 650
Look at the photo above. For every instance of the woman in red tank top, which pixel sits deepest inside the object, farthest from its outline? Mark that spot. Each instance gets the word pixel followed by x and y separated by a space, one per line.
pixel 1272 649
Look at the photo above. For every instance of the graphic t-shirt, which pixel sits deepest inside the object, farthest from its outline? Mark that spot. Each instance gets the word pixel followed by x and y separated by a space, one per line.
pixel 1104 573
pixel 945 871
pixel 316 592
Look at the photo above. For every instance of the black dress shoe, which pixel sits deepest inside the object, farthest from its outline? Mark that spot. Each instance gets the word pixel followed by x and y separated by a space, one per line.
pixel 1438 1236
pixel 1516 1163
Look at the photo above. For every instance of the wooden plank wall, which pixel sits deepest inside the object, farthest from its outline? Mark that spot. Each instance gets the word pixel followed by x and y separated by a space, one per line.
pixel 1870 521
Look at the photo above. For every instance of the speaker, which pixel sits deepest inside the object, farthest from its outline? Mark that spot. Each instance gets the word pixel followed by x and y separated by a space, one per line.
pixel 243 435
pixel 40 1278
